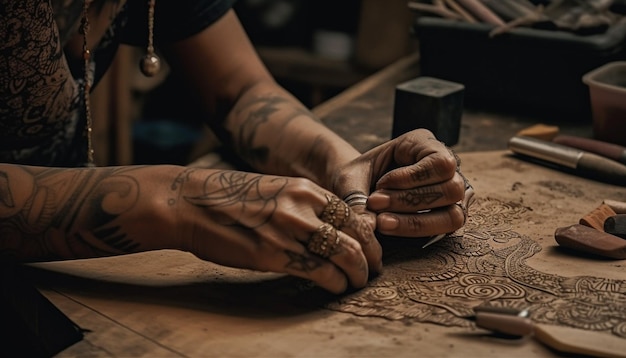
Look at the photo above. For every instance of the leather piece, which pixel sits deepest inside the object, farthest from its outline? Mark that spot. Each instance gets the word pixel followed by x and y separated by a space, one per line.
pixel 589 240
pixel 597 217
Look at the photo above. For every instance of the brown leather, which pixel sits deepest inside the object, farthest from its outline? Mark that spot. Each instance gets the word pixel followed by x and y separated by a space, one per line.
pixel 590 240
pixel 597 216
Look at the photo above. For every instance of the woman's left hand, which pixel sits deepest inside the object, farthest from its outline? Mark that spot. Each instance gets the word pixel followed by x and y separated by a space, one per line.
pixel 410 186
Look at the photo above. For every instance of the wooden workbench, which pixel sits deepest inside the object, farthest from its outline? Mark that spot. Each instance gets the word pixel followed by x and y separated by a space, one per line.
pixel 169 303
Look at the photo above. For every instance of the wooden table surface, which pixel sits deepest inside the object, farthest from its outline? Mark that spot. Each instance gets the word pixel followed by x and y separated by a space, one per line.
pixel 169 303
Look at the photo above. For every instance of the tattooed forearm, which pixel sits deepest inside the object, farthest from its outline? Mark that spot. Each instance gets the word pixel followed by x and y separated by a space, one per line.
pixel 257 112
pixel 177 186
pixel 51 214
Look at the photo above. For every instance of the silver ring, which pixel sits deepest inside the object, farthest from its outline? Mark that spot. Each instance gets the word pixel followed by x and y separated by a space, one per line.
pixel 356 198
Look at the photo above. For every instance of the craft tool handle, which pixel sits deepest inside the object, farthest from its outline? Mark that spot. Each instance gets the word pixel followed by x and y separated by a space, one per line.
pixel 609 150
pixel 582 162
pixel 504 323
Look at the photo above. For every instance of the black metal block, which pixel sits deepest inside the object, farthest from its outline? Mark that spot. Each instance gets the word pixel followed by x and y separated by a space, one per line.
pixel 431 103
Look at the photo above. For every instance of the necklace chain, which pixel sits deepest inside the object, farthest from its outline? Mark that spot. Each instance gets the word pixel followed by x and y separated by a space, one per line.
pixel 149 68
pixel 150 49
pixel 87 83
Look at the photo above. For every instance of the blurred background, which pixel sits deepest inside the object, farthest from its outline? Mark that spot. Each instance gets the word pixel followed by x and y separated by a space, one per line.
pixel 315 49
pixel 523 58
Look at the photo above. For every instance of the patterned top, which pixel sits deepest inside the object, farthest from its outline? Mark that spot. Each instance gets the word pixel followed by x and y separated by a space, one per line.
pixel 32 138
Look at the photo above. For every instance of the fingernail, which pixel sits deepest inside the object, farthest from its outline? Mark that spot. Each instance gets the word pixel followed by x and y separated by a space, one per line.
pixel 388 222
pixel 378 201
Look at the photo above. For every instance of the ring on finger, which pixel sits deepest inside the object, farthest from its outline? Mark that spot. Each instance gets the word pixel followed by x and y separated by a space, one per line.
pixel 356 198
pixel 324 241
pixel 336 212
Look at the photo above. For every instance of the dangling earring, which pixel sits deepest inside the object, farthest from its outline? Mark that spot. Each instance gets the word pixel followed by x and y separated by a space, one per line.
pixel 84 29
pixel 150 63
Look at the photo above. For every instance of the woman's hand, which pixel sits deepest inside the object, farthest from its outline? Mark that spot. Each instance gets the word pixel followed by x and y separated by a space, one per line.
pixel 238 219
pixel 273 223
pixel 413 185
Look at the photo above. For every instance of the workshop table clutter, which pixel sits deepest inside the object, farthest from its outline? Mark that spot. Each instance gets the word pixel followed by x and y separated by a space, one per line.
pixel 528 55
pixel 505 258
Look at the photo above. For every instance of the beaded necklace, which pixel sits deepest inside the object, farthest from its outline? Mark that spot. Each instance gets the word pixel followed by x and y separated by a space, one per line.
pixel 150 65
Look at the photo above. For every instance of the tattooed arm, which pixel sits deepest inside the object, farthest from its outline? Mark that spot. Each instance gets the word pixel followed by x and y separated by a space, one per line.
pixel 264 124
pixel 36 87
pixel 276 134
pixel 231 218
pixel 56 214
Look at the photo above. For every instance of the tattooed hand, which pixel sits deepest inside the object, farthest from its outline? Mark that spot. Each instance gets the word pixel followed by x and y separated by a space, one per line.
pixel 264 222
pixel 413 185
pixel 232 218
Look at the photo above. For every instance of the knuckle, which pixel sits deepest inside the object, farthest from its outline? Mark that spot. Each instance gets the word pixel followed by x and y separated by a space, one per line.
pixel 363 231
pixel 302 184
pixel 447 165
pixel 353 252
pixel 352 257
pixel 456 191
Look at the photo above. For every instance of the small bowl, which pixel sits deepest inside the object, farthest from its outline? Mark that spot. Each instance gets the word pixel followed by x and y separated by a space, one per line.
pixel 607 91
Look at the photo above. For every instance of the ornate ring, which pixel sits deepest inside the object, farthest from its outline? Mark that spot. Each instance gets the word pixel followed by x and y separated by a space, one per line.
pixel 356 198
pixel 323 241
pixel 336 212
